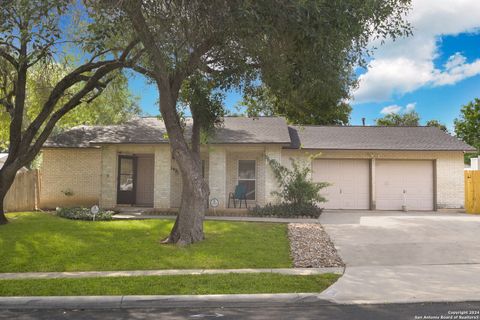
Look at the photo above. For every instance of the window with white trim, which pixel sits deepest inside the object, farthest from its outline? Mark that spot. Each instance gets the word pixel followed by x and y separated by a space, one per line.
pixel 247 177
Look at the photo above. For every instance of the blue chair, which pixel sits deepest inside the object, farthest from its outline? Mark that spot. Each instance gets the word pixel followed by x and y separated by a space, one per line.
pixel 239 194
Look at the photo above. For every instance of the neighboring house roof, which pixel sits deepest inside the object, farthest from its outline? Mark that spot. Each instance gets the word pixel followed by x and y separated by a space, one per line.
pixel 375 138
pixel 151 130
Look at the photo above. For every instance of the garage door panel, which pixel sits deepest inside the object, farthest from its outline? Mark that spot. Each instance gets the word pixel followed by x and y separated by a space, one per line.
pixel 400 182
pixel 350 183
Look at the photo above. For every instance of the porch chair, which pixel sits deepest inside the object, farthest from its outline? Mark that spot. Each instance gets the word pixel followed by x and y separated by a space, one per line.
pixel 239 194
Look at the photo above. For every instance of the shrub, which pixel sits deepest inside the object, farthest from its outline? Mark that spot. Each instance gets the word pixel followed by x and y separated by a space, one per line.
pixel 83 214
pixel 295 186
pixel 287 210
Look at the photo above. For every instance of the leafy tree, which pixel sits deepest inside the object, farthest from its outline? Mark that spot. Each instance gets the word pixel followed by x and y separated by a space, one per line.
pixel 296 48
pixel 295 185
pixel 405 119
pixel 115 105
pixel 260 100
pixel 438 124
pixel 33 37
pixel 467 127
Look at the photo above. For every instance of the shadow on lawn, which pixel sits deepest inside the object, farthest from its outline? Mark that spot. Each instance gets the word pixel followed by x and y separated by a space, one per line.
pixel 44 242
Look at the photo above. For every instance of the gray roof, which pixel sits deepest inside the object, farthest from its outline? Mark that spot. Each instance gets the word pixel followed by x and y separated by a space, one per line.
pixel 268 130
pixel 151 130
pixel 375 138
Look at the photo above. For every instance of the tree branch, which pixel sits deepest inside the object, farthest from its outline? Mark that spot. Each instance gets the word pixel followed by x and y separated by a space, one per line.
pixel 9 58
pixel 191 64
pixel 70 80
pixel 134 11
pixel 71 104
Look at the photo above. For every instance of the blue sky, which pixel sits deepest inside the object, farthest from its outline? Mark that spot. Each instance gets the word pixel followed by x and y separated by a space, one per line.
pixel 434 72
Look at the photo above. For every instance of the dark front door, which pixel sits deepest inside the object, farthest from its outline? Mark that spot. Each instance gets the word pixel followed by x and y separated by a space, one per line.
pixel 126 187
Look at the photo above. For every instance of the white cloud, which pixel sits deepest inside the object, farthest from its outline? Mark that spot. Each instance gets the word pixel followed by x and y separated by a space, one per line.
pixel 394 108
pixel 391 109
pixel 410 107
pixel 407 64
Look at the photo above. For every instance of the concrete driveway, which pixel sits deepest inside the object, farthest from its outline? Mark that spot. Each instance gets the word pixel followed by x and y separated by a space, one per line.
pixel 405 257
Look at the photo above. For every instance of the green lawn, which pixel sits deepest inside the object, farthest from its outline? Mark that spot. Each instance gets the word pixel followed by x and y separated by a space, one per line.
pixel 167 285
pixel 43 242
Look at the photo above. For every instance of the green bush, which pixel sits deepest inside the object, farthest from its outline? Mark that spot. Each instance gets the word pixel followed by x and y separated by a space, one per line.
pixel 296 187
pixel 84 214
pixel 287 210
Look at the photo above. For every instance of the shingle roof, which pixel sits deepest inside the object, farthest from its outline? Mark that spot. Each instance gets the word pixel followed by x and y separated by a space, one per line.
pixel 236 130
pixel 151 130
pixel 374 138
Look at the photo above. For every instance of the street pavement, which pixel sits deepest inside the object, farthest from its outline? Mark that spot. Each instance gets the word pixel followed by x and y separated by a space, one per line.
pixel 318 311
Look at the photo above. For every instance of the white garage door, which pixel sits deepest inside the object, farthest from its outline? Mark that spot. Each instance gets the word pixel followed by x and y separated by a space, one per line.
pixel 350 183
pixel 409 181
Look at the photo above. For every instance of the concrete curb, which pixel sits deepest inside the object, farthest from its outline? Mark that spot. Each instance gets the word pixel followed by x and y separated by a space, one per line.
pixel 124 302
pixel 135 273
pixel 188 301
pixel 126 216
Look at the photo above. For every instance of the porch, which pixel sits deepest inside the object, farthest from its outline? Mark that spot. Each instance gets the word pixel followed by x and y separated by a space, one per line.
pixel 145 178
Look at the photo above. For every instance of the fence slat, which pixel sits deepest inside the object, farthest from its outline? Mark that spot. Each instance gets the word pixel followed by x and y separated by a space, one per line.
pixel 472 191
pixel 22 195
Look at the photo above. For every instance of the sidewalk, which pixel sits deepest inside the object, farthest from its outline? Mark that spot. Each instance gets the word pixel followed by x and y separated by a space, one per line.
pixel 134 273
pixel 133 216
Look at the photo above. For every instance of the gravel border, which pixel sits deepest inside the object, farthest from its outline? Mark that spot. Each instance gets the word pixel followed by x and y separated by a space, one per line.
pixel 311 247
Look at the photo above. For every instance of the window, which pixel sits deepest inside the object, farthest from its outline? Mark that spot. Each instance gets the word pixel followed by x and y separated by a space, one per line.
pixel 126 174
pixel 247 177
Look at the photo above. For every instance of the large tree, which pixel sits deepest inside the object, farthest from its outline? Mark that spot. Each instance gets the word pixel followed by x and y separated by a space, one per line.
pixel 33 35
pixel 296 48
pixel 115 105
pixel 467 127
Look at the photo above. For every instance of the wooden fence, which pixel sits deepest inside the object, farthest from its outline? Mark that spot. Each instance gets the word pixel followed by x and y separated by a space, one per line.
pixel 472 191
pixel 23 194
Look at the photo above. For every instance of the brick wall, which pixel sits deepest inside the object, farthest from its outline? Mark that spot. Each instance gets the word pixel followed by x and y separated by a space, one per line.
pixel 91 174
pixel 70 170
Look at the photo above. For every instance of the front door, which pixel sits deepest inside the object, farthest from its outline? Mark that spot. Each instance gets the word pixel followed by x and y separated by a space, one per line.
pixel 126 187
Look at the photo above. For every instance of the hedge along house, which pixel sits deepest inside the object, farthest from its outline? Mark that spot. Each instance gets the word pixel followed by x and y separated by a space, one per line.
pixel 383 168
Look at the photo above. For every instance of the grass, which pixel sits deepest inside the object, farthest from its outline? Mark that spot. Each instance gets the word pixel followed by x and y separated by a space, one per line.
pixel 169 285
pixel 36 242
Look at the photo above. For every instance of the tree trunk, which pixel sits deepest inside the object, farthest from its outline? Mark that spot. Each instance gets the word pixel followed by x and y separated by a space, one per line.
pixel 7 176
pixel 188 227
pixel 3 218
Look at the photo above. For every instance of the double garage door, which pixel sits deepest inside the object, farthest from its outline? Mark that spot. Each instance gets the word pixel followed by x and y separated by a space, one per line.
pixel 396 183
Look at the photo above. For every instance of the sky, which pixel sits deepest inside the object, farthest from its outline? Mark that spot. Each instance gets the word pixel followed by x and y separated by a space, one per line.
pixel 434 72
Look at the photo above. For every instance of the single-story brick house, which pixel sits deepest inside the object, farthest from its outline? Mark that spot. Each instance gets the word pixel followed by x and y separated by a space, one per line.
pixel 370 167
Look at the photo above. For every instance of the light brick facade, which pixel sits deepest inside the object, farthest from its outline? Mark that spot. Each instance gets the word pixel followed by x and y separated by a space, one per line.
pixel 91 173
pixel 70 177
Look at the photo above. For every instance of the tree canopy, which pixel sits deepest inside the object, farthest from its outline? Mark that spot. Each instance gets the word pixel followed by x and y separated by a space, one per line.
pixel 116 104
pixel 304 52
pixel 467 126
pixel 437 124
pixel 259 100
pixel 410 118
